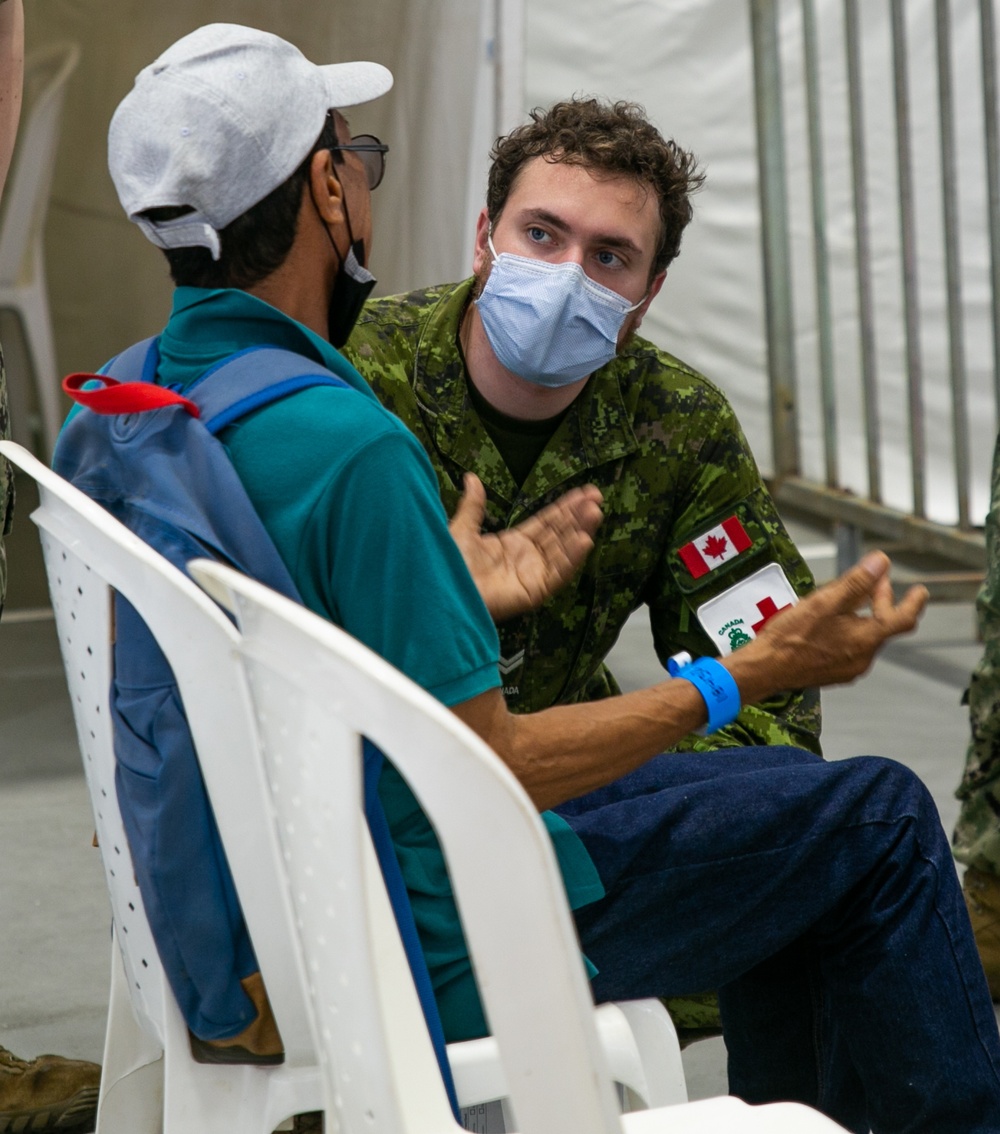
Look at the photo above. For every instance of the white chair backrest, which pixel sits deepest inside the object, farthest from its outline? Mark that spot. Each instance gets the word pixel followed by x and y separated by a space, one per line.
pixel 87 552
pixel 82 605
pixel 26 196
pixel 316 692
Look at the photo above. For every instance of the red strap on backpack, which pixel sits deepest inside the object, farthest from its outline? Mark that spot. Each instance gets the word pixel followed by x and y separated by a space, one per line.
pixel 123 397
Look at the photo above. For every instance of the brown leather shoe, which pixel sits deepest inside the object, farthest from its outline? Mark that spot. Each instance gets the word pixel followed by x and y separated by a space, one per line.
pixel 47 1093
pixel 259 1043
pixel 982 897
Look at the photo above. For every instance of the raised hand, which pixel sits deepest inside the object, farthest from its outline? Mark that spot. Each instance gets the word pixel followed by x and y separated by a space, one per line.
pixel 824 640
pixel 517 569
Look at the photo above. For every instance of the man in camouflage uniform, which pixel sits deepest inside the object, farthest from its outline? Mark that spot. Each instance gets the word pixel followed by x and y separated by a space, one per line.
pixel 48 1092
pixel 977 833
pixel 659 440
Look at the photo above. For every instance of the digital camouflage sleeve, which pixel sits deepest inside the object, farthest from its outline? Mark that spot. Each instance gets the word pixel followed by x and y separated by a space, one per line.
pixel 977 834
pixel 6 483
pixel 666 450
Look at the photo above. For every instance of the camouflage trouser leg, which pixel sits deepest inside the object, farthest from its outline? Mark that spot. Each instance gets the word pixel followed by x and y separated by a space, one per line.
pixel 976 841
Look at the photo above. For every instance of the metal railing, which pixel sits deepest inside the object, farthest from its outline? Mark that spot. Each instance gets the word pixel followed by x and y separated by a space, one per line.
pixel 857 513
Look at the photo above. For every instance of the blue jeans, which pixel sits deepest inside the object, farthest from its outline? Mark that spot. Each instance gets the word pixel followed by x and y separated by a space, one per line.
pixel 821 900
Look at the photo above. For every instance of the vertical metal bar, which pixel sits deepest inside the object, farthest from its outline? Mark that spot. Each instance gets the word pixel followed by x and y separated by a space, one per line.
pixel 908 244
pixel 862 243
pixel 849 541
pixel 991 122
pixel 774 237
pixel 509 73
pixel 821 258
pixel 956 345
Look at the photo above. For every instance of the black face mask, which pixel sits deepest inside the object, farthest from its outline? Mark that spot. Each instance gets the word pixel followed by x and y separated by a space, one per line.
pixel 351 288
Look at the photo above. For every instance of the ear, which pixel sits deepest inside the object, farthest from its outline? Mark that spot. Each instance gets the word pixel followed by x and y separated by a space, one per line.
pixel 634 321
pixel 482 253
pixel 651 294
pixel 326 189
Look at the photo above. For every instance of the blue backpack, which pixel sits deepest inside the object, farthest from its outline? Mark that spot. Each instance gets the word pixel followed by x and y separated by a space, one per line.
pixel 147 455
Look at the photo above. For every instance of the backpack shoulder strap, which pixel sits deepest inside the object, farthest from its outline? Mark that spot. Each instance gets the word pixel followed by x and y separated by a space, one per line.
pixel 253 378
pixel 136 363
pixel 234 387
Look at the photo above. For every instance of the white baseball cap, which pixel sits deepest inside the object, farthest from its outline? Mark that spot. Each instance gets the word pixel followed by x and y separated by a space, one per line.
pixel 218 122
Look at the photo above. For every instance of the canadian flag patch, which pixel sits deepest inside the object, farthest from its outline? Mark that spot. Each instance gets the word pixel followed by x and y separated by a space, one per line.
pixel 713 548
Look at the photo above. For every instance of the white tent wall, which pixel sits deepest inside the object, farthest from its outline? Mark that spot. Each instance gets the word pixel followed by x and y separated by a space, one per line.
pixel 109 286
pixel 689 63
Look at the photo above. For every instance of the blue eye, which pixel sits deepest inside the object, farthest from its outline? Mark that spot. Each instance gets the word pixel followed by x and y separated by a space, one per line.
pixel 537 234
pixel 607 259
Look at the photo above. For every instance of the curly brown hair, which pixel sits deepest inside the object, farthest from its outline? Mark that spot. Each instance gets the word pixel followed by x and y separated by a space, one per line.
pixel 612 137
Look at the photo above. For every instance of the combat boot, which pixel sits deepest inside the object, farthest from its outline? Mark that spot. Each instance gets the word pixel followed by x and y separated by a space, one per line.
pixel 47 1093
pixel 982 897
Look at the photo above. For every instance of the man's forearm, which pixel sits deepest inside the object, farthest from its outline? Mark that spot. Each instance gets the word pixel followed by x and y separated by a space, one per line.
pixel 566 751
pixel 11 78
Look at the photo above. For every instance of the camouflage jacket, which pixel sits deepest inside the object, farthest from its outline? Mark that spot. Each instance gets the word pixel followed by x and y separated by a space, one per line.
pixel 977 835
pixel 664 447
pixel 6 483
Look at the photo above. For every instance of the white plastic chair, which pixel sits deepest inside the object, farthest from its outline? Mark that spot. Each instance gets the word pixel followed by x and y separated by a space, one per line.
pixel 22 223
pixel 149 1077
pixel 316 692
pixel 150 1082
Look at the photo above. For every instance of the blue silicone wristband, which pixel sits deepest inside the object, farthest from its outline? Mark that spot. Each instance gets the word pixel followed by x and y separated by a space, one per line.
pixel 715 684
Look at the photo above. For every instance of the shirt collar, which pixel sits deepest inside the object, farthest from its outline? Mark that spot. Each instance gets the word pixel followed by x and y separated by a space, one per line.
pixel 207 325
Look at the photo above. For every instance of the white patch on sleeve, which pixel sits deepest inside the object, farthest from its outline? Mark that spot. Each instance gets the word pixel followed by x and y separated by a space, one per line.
pixel 733 618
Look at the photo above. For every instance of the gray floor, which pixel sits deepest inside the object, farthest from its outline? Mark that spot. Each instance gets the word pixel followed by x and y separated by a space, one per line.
pixel 54 953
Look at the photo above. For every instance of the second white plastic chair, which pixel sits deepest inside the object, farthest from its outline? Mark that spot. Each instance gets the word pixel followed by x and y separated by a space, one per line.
pixel 316 692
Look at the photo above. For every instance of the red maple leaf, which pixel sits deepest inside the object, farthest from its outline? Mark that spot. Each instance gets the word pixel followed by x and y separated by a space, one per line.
pixel 715 546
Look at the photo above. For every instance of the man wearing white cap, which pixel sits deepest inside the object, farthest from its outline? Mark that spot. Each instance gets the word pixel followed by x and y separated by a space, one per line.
pixel 229 155
pixel 832 877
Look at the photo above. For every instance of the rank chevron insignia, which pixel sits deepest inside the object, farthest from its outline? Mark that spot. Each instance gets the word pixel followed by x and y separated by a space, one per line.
pixel 508 665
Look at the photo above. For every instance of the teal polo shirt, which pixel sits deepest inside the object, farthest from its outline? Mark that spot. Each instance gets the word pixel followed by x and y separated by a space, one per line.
pixel 351 502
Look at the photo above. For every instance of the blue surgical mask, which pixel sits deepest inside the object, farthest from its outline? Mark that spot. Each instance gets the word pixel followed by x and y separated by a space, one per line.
pixel 549 323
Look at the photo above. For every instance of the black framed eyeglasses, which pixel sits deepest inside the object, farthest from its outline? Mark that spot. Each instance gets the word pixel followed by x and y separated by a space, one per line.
pixel 372 153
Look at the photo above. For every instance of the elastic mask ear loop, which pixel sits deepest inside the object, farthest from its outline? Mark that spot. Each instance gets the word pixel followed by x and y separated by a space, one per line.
pixel 636 306
pixel 352 244
pixel 329 235
pixel 351 287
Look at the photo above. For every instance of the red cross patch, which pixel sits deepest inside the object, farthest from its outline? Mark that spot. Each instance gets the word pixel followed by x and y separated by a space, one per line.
pixel 737 615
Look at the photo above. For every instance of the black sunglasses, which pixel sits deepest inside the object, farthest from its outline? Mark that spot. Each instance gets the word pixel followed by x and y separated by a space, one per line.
pixel 372 153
